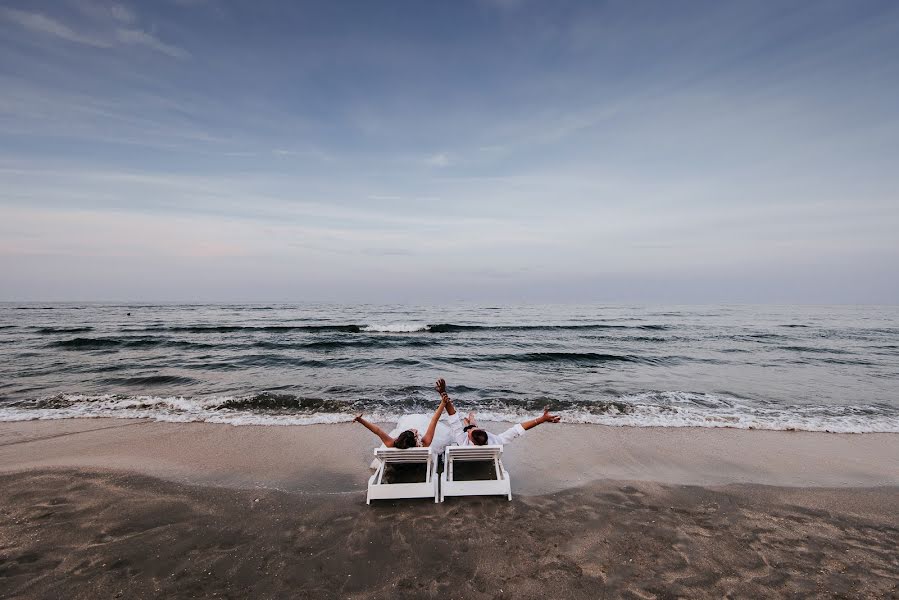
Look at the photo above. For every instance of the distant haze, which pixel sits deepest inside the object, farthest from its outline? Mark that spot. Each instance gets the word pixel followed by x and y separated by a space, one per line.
pixel 501 151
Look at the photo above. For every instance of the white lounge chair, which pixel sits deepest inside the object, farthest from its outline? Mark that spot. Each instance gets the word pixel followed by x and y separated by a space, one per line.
pixel 378 490
pixel 449 486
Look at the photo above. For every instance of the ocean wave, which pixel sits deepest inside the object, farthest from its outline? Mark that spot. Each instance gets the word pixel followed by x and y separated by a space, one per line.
pixel 149 380
pixel 541 357
pixel 453 328
pixel 242 328
pixel 388 328
pixel 80 343
pixel 326 345
pixel 52 330
pixel 814 350
pixel 100 343
pixel 757 337
pixel 647 409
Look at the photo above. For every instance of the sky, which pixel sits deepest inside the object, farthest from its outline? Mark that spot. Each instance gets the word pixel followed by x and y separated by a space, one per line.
pixel 485 151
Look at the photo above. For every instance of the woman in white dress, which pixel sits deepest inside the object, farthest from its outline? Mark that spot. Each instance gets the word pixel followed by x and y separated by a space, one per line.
pixel 407 434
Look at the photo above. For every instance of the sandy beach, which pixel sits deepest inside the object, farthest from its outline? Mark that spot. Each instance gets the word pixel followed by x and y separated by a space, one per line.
pixel 139 509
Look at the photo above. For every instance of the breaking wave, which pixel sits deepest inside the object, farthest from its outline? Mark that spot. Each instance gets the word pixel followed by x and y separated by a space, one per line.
pixel 389 328
pixel 648 409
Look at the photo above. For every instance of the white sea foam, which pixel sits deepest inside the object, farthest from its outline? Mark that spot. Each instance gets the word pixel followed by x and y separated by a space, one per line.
pixel 653 409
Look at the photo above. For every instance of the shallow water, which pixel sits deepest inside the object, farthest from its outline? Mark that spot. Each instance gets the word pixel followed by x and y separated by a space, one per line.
pixel 804 367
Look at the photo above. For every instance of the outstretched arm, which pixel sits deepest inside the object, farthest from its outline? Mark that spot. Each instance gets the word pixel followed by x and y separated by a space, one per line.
pixel 519 429
pixel 544 418
pixel 432 426
pixel 388 441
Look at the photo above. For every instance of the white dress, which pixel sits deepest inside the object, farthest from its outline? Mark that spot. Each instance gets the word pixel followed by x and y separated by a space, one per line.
pixel 443 437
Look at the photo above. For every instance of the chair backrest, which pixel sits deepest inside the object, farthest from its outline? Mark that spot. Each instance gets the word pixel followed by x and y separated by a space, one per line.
pixel 408 455
pixel 473 452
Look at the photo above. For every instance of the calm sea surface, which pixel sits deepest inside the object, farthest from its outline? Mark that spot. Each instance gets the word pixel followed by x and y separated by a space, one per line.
pixel 793 367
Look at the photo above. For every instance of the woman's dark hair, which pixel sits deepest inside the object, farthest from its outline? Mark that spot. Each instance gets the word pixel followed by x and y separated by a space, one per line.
pixel 405 440
pixel 479 437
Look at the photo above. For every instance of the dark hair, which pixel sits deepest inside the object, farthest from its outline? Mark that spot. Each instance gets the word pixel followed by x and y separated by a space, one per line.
pixel 479 437
pixel 405 440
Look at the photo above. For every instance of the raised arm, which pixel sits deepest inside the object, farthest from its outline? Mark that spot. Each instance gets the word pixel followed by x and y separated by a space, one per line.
pixel 432 426
pixel 456 427
pixel 388 441
pixel 440 386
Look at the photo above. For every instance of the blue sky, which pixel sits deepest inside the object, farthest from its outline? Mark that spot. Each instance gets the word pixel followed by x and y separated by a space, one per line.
pixel 419 151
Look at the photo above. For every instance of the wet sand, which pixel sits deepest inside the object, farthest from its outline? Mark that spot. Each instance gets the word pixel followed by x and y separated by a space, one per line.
pixel 335 458
pixel 105 509
pixel 75 534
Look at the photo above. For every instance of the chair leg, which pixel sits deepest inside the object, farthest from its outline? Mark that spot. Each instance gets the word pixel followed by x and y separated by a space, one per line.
pixel 436 481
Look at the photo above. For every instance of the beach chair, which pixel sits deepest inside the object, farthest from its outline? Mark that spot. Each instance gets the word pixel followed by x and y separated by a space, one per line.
pixel 450 486
pixel 379 490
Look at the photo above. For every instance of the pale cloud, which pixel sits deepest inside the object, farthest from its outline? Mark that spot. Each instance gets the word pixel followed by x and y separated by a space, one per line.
pixel 122 13
pixel 40 111
pixel 102 11
pixel 39 23
pixel 142 38
pixel 305 153
pixel 150 193
pixel 31 231
pixel 438 160
pixel 101 36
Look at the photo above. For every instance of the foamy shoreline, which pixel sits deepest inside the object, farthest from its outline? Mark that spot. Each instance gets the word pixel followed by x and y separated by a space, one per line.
pixel 670 409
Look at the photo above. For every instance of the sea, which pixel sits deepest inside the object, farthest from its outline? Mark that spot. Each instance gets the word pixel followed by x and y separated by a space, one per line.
pixel 807 368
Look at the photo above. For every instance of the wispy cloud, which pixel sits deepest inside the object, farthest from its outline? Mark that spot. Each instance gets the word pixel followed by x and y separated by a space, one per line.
pixel 42 24
pixel 99 11
pixel 142 38
pixel 122 13
pixel 112 25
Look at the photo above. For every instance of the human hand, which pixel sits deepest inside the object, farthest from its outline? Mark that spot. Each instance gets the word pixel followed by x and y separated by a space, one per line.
pixel 440 386
pixel 548 418
pixel 358 418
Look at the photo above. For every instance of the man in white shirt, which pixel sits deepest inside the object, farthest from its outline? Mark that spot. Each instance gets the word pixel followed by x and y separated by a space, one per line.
pixel 467 433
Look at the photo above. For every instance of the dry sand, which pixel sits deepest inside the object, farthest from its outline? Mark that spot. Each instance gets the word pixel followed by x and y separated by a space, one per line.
pixel 102 508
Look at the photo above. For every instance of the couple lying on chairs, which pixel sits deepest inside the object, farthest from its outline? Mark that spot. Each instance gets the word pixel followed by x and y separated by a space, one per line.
pixel 461 432
pixel 463 441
